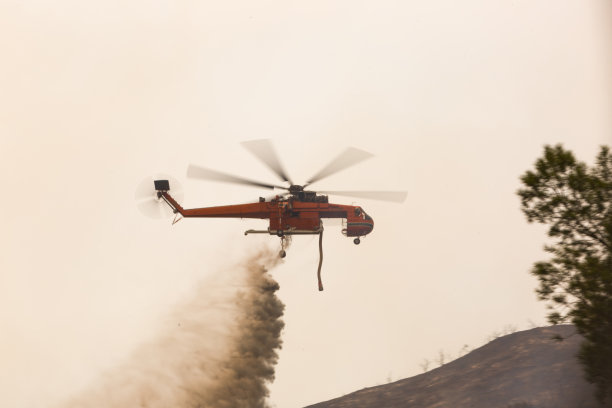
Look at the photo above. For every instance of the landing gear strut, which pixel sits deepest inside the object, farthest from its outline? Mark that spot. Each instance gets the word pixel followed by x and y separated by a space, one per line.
pixel 357 241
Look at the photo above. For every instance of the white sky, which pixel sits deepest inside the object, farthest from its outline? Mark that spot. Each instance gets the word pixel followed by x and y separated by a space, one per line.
pixel 455 99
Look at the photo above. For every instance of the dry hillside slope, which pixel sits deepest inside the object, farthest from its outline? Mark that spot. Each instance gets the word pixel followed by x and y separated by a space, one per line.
pixel 525 369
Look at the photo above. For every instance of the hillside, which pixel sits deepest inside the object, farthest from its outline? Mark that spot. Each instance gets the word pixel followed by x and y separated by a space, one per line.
pixel 526 369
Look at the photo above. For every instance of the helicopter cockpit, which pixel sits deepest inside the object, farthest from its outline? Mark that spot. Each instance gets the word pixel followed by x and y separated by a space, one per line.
pixel 361 213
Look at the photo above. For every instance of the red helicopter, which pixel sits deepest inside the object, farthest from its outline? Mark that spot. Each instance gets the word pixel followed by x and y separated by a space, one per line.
pixel 296 211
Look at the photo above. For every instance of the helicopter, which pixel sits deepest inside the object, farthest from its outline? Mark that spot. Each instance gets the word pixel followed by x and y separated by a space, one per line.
pixel 296 211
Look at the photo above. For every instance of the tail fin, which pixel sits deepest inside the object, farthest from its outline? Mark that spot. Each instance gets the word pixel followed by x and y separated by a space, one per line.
pixel 162 187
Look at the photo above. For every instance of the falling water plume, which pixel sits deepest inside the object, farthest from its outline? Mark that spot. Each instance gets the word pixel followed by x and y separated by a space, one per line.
pixel 217 350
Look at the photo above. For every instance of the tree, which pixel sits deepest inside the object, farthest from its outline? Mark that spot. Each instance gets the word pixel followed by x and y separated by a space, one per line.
pixel 574 200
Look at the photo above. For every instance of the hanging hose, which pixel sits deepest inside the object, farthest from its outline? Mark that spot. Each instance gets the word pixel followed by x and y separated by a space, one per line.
pixel 320 258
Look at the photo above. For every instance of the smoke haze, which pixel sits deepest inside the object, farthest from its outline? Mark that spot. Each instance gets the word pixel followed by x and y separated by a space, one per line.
pixel 455 99
pixel 218 349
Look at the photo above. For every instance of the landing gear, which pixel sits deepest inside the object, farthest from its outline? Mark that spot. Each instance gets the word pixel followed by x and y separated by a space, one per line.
pixel 282 253
pixel 357 241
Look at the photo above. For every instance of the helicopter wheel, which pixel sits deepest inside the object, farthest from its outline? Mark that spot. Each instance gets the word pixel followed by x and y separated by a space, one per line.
pixel 282 253
pixel 357 241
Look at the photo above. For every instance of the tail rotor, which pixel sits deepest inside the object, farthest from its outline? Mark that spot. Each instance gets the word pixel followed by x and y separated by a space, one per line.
pixel 147 197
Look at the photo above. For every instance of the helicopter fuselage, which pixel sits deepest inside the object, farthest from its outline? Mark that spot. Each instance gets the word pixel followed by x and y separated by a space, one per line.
pixel 294 215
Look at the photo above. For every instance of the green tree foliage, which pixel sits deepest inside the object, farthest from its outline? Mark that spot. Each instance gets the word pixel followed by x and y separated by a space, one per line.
pixel 574 200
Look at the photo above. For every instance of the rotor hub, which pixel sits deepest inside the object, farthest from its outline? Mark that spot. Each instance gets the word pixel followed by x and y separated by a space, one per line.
pixel 295 189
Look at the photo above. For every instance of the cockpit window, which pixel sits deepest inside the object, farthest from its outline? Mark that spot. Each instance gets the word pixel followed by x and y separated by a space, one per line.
pixel 360 213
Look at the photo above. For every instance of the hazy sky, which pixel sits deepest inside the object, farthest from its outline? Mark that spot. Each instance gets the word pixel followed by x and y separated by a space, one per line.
pixel 455 99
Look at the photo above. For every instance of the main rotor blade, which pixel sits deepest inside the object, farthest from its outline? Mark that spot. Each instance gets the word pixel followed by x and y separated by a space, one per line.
pixel 264 151
pixel 393 196
pixel 348 158
pixel 203 173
